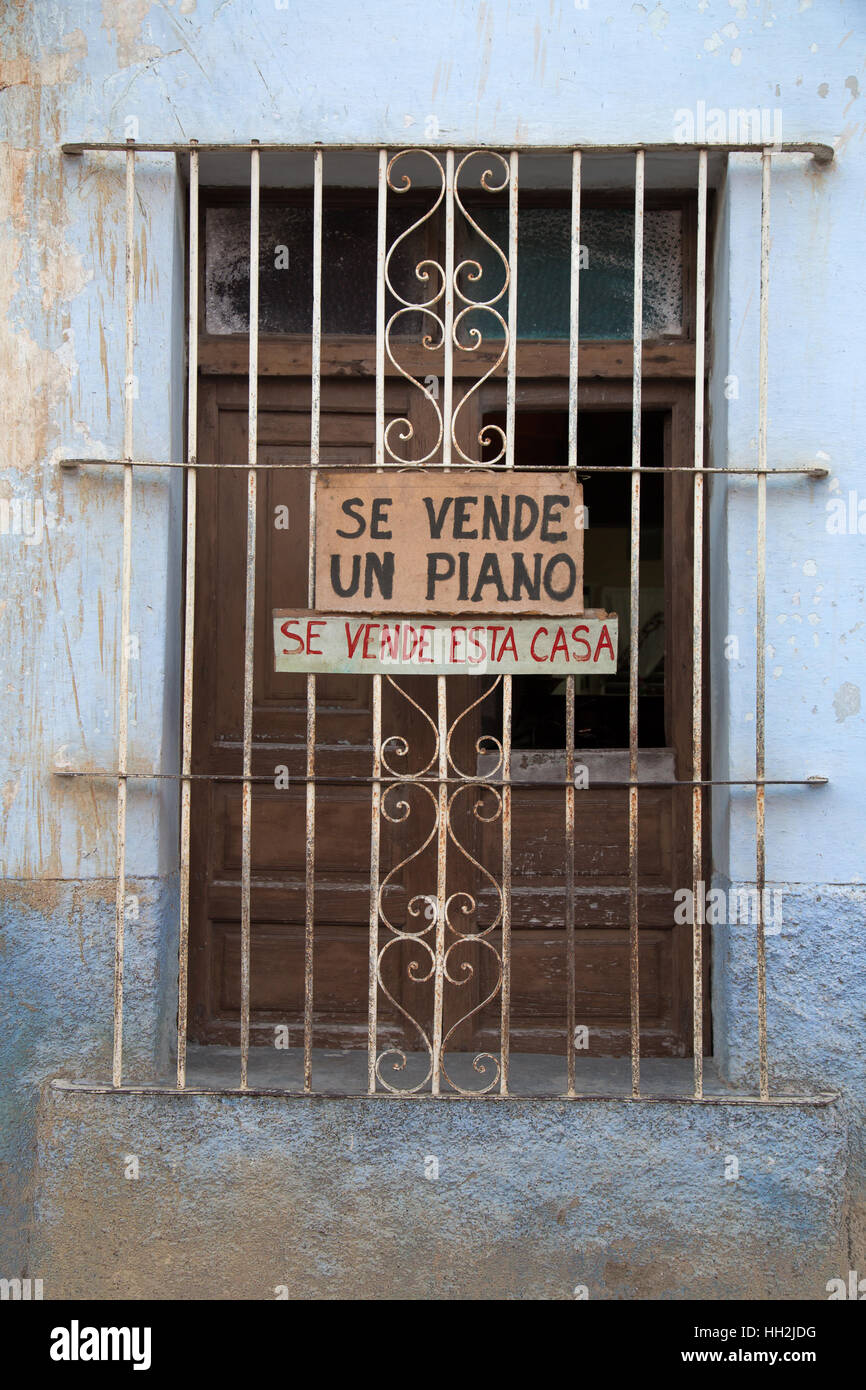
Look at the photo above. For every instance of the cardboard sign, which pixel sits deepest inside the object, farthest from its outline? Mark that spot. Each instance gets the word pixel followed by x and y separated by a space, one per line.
pixel 346 643
pixel 456 543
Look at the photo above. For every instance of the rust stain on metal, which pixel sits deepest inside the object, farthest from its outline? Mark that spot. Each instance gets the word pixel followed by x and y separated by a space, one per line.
pixel 189 626
pixel 250 614
pixel 761 625
pixel 634 642
pixel 697 629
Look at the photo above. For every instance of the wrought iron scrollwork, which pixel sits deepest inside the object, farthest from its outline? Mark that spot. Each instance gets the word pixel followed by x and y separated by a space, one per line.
pixel 426 270
pixel 446 942
pixel 475 272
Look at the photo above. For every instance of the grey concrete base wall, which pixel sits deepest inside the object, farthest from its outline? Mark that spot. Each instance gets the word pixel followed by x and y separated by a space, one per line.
pixel 333 1198
pixel 816 963
pixel 56 961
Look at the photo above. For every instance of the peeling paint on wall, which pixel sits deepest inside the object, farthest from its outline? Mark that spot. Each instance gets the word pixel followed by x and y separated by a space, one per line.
pixel 846 701
pixel 124 20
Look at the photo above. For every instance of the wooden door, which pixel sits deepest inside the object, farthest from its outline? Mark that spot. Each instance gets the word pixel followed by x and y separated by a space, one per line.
pixel 343 764
pixel 601 829
pixel 343 734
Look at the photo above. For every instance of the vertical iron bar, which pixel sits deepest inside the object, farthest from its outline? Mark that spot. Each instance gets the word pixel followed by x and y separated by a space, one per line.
pixel 125 590
pixel 448 385
pixel 441 688
pixel 634 616
pixel 571 1021
pixel 510 399
pixel 375 828
pixel 315 421
pixel 381 247
pixel 511 366
pixel 189 621
pixel 441 879
pixel 249 626
pixel 376 796
pixel 697 634
pixel 574 309
pixel 761 623
pixel 506 886
pixel 573 359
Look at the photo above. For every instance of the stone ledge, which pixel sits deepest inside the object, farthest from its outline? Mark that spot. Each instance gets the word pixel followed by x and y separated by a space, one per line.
pixel 332 1198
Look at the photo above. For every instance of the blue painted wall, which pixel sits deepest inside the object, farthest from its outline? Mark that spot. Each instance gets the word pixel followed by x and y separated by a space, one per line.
pixel 519 71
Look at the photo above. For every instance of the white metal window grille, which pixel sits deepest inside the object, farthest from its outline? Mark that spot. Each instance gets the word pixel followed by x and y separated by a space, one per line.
pixel 446 305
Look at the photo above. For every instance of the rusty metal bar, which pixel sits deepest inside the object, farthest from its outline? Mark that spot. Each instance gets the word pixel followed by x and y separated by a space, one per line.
pixel 188 625
pixel 381 248
pixel 310 815
pixel 441 687
pixel 761 624
pixel 697 629
pixel 820 151
pixel 505 1026
pixel 571 982
pixel 441 880
pixel 376 796
pixel 112 773
pixel 511 365
pixel 511 394
pixel 818 1099
pixel 448 316
pixel 634 622
pixel 309 882
pixel 375 831
pixel 316 384
pixel 806 470
pixel 574 310
pixel 573 379
pixel 125 592
pixel 250 616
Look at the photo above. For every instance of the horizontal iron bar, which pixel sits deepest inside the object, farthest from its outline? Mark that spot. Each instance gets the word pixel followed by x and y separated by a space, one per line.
pixel 812 471
pixel 302 779
pixel 821 1098
pixel 820 151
